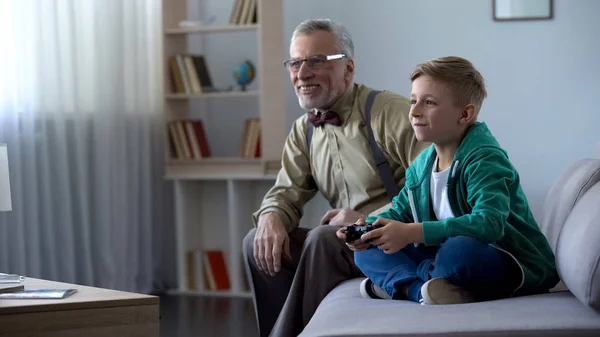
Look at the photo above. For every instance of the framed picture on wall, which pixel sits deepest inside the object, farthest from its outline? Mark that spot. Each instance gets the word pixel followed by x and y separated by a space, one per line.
pixel 510 10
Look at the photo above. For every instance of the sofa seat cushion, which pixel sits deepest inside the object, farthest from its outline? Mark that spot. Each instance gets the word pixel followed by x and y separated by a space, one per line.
pixel 344 312
pixel 571 222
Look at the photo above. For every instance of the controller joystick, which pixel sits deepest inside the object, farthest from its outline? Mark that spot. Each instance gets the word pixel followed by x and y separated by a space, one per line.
pixel 354 232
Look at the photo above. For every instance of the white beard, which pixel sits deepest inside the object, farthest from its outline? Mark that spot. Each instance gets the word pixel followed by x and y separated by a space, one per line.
pixel 317 102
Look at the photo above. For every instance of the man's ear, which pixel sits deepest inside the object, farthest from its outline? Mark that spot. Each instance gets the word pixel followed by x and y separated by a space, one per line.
pixel 469 114
pixel 350 67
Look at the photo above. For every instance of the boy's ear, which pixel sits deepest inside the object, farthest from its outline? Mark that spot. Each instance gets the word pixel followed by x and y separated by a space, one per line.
pixel 469 114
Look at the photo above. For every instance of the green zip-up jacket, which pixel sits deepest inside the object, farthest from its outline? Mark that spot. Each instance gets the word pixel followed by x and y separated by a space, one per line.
pixel 488 204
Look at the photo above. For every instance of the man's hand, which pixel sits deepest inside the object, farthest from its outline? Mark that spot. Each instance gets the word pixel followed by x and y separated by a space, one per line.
pixel 270 243
pixel 341 217
pixel 358 245
pixel 394 235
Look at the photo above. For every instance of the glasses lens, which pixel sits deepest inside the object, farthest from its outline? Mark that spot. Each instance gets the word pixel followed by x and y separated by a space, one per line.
pixel 316 61
pixel 292 64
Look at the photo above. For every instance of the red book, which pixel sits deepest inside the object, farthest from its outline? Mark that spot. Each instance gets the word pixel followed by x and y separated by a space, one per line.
pixel 215 265
pixel 257 154
pixel 201 136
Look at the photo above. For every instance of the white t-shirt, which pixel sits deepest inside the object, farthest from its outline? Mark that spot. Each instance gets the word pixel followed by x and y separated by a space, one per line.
pixel 439 193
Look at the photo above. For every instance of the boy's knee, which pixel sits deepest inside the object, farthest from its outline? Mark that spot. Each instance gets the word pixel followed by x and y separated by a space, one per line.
pixel 463 244
pixel 368 257
pixel 462 252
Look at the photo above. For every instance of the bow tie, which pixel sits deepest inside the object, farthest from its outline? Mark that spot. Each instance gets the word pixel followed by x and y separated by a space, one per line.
pixel 328 117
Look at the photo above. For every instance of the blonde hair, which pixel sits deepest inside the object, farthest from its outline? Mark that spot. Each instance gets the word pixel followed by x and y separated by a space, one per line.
pixel 465 82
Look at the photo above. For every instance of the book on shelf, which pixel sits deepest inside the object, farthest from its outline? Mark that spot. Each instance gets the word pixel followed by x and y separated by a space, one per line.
pixel 188 139
pixel 244 12
pixel 189 74
pixel 207 270
pixel 216 270
pixel 196 278
pixel 250 145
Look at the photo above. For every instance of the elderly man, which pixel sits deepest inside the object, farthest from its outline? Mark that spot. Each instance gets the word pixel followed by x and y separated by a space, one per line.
pixel 353 145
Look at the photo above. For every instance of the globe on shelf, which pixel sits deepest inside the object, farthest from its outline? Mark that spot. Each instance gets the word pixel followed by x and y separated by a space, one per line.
pixel 244 74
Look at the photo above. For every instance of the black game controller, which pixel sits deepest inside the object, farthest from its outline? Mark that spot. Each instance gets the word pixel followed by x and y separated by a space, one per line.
pixel 354 232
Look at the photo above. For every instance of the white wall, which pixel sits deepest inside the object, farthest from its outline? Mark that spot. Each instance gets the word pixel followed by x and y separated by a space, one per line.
pixel 542 76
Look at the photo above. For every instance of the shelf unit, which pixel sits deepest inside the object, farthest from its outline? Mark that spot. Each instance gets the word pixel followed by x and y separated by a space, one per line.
pixel 219 168
pixel 215 196
pixel 226 94
pixel 215 29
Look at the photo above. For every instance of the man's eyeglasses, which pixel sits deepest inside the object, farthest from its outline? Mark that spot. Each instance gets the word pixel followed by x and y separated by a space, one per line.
pixel 313 61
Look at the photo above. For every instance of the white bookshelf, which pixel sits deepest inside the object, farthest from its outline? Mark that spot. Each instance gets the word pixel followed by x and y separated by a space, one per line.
pixel 233 200
pixel 224 94
pixel 215 196
pixel 210 29
pixel 219 168
pixel 196 225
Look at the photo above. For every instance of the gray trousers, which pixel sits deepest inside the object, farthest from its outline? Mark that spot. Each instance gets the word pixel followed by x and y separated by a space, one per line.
pixel 286 302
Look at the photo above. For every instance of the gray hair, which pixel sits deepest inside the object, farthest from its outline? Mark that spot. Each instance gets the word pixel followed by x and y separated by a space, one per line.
pixel 342 34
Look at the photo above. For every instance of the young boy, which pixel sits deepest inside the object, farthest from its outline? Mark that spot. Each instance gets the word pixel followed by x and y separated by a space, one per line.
pixel 461 229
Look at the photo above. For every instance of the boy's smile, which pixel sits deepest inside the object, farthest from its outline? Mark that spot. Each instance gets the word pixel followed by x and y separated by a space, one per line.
pixel 434 113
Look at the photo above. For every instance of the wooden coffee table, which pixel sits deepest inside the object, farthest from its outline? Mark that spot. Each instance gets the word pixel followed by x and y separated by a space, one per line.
pixel 90 312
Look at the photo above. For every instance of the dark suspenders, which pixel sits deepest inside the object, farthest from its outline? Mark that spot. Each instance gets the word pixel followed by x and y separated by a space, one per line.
pixel 385 172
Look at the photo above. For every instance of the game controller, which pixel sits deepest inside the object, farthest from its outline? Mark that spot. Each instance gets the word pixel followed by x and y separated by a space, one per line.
pixel 354 232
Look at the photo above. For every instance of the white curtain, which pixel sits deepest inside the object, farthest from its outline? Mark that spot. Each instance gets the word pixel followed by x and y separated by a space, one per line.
pixel 80 110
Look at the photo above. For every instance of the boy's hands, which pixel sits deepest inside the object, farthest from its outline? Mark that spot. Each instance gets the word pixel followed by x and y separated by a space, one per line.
pixel 358 245
pixel 394 235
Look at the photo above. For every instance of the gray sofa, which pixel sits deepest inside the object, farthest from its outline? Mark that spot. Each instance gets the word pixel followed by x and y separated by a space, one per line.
pixel 571 222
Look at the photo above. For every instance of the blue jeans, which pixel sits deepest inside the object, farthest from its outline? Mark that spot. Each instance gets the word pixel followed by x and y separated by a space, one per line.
pixel 464 261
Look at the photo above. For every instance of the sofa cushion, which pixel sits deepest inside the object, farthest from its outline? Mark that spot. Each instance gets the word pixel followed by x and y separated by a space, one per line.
pixel 564 194
pixel 344 312
pixel 571 222
pixel 578 249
